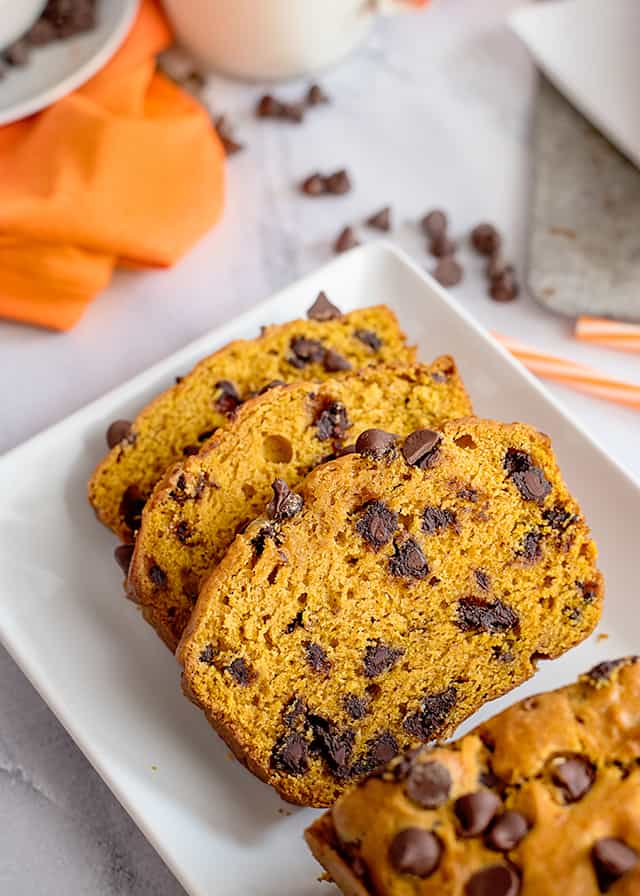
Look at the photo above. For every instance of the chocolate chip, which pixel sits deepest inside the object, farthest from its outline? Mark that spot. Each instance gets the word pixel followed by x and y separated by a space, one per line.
pixel 432 715
pixel 602 672
pixel 306 351
pixel 434 223
pixel 478 615
pixel 224 131
pixel 268 107
pixel 265 533
pixel 504 286
pixel 322 309
pixel 436 519
pixel 183 532
pixel 346 240
pixel 380 220
pixel 507 831
pixel 428 784
pixel 316 658
pixel 120 431
pixel 334 362
pixel 290 754
pixel 334 745
pixel 123 554
pixel 420 449
pixel 158 576
pixel 369 338
pixel 295 623
pixel 314 185
pixel 494 880
pixel 355 706
pixel 501 655
pixel 43 32
pixel 485 239
pixel 380 658
pixel 408 561
pixel 574 776
pixel 294 712
pixel 376 443
pixel 531 550
pixel 612 858
pixel 190 450
pixel 17 53
pixel 316 96
pixel 558 518
pixel 338 183
pixel 377 524
pixel 208 655
pixel 284 503
pixel 380 750
pixel 448 272
pixel 496 266
pixel 228 399
pixel 415 851
pixel 206 434
pixel 241 671
pixel 292 112
pixel 475 812
pixel 482 579
pixel 332 422
pixel 272 385
pixel 468 494
pixel 528 478
pixel 441 246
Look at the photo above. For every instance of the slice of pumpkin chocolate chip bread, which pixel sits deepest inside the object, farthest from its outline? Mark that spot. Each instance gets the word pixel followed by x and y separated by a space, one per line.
pixel 203 502
pixel 543 800
pixel 176 423
pixel 388 597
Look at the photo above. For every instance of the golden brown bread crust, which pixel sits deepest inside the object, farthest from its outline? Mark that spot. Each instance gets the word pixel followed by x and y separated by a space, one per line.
pixel 392 604
pixel 563 765
pixel 283 433
pixel 179 418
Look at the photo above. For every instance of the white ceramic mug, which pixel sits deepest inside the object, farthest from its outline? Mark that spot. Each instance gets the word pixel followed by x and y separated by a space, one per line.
pixel 272 39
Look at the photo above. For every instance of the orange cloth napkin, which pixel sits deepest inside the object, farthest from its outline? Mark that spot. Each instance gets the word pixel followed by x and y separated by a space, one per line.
pixel 126 170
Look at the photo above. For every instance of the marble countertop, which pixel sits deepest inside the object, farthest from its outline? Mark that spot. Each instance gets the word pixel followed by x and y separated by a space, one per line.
pixel 433 111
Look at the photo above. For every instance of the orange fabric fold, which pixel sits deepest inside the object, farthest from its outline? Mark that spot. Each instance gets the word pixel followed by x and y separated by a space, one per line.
pixel 128 169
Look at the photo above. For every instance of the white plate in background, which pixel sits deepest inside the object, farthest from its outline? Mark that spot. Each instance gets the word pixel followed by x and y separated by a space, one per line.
pixel 55 70
pixel 115 686
pixel 590 49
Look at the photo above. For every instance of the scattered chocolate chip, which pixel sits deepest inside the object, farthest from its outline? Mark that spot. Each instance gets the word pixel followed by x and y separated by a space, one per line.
pixel 206 434
pixel 120 431
pixel 478 615
pixel 316 96
pixel 272 385
pixel 338 183
pixel 468 494
pixel 290 754
pixel 295 623
pixel 123 554
pixel 482 579
pixel 259 541
pixel 428 784
pixel 284 503
pixel 434 224
pixel 189 488
pixel 415 851
pixel 158 576
pixel 380 750
pixel 293 112
pixel 306 351
pixel 475 812
pixel 334 745
pixel 448 272
pixel 531 550
pixel 224 131
pixel 558 518
pixel 314 185
pixel 377 524
pixel 496 266
pixel 574 775
pixel 355 706
pixel 17 53
pixel 322 309
pixel 241 671
pixel 441 246
pixel 376 443
pixel 501 654
pixel 346 240
pixel 380 220
pixel 228 399
pixel 332 422
pixel 380 658
pixel 504 287
pixel 528 478
pixel 40 34
pixel 432 715
pixel 183 532
pixel 294 712
pixel 334 362
pixel 436 519
pixel 485 239
pixel 316 657
pixel 207 655
pixel 190 450
pixel 589 591
pixel 269 107
pixel 507 831
pixel 369 338
pixel 408 561
pixel 420 449
pixel 494 880
pixel 602 672
pixel 612 858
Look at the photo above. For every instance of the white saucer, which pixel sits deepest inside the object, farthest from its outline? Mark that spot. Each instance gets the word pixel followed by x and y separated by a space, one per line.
pixel 589 49
pixel 57 69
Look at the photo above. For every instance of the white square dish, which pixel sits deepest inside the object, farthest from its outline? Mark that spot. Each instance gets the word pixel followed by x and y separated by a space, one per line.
pixel 114 685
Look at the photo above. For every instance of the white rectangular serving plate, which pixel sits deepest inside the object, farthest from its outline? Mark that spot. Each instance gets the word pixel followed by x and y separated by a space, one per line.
pixel 114 685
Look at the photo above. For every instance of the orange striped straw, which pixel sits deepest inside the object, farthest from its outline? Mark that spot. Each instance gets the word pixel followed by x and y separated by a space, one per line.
pixel 612 333
pixel 570 373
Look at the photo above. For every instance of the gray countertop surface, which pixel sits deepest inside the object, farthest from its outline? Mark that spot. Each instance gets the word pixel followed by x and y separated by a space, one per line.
pixel 433 111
